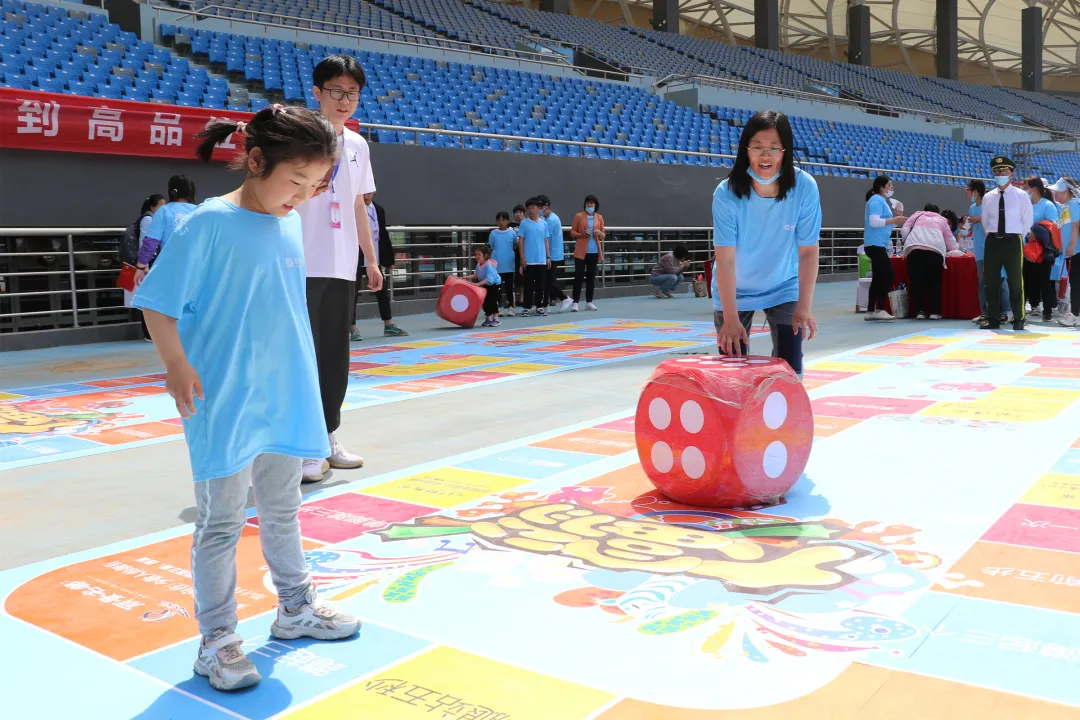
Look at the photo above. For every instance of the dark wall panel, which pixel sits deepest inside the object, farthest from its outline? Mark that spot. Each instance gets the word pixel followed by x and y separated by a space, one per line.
pixel 417 186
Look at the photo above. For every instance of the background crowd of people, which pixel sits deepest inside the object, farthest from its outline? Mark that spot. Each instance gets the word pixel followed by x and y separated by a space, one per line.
pixel 1032 229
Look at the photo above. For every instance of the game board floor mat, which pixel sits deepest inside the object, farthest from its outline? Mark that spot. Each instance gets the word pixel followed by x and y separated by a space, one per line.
pixel 926 565
pixel 59 422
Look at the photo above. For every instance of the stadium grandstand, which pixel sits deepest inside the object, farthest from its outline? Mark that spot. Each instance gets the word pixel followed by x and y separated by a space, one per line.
pixel 190 63
pixel 567 82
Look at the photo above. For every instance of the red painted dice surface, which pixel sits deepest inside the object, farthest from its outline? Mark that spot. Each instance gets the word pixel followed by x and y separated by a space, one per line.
pixel 460 302
pixel 724 432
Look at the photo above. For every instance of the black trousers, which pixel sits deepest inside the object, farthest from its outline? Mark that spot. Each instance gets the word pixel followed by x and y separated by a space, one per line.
pixel 1004 251
pixel 491 299
pixel 554 292
pixel 881 279
pixel 1074 285
pixel 1032 288
pixel 508 280
pixel 924 275
pixel 331 302
pixel 1039 288
pixel 382 297
pixel 585 271
pixel 535 286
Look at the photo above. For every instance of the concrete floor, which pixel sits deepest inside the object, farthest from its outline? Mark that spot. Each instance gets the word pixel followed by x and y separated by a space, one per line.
pixel 62 507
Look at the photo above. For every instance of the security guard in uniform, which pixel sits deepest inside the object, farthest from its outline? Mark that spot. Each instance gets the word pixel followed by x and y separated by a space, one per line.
pixel 1006 219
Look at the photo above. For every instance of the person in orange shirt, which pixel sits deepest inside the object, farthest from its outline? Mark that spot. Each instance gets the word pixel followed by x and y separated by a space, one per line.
pixel 587 231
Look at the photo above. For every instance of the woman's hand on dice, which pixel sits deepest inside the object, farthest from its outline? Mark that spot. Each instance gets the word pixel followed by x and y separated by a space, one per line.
pixel 732 337
pixel 804 318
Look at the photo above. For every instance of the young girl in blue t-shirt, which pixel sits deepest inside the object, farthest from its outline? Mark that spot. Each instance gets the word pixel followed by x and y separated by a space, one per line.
pixel 766 225
pixel 487 276
pixel 226 306
pixel 504 244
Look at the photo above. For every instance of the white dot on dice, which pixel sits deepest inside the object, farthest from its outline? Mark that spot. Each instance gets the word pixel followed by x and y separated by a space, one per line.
pixel 691 416
pixel 459 303
pixel 774 411
pixel 693 462
pixel 662 459
pixel 774 460
pixel 659 413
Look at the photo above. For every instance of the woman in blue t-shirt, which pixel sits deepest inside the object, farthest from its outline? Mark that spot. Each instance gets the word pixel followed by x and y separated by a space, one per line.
pixel 1038 287
pixel 1067 194
pixel 181 202
pixel 878 223
pixel 766 225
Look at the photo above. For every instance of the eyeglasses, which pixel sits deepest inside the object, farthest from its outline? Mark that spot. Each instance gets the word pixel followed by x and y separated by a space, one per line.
pixel 350 95
pixel 766 151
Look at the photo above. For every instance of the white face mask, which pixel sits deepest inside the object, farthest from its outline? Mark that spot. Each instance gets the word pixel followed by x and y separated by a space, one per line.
pixel 888 193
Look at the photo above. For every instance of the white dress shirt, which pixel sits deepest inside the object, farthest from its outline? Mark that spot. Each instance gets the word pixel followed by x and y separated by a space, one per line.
pixel 1018 211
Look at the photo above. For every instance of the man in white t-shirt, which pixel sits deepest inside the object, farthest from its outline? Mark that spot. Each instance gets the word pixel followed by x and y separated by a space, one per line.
pixel 336 231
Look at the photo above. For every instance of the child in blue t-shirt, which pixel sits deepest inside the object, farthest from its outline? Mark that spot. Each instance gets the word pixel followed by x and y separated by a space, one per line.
pixel 504 242
pixel 535 257
pixel 227 309
pixel 487 275
pixel 162 225
pixel 766 226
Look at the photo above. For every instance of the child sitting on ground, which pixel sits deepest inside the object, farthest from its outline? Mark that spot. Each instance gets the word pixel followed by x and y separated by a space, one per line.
pixel 487 276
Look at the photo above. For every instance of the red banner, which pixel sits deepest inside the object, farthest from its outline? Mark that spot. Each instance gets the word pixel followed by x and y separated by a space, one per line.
pixel 74 123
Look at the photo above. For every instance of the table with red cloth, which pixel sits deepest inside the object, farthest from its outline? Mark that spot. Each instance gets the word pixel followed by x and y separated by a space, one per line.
pixel 959 286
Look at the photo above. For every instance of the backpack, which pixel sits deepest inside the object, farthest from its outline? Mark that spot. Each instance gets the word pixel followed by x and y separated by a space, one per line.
pixel 129 246
pixel 1038 249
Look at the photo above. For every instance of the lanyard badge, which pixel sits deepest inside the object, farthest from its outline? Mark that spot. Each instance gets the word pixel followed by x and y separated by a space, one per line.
pixel 335 206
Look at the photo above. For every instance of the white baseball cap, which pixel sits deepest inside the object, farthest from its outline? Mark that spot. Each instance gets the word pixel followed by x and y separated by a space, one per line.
pixel 1062 186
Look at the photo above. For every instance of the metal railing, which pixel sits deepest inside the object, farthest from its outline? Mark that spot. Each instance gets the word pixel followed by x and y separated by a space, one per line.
pixel 482 52
pixel 348 30
pixel 862 105
pixel 426 255
pixel 60 278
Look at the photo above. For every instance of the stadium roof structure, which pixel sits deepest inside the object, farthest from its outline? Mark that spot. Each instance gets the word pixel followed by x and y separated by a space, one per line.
pixel 988 30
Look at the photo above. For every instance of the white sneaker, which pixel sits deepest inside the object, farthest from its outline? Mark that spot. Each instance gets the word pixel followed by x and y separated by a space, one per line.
pixel 314 470
pixel 222 661
pixel 313 620
pixel 935 316
pixel 590 306
pixel 1069 320
pixel 879 315
pixel 510 311
pixel 574 308
pixel 565 305
pixel 341 458
pixel 920 316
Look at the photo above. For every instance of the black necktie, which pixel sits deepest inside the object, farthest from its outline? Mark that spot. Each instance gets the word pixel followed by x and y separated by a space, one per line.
pixel 1001 212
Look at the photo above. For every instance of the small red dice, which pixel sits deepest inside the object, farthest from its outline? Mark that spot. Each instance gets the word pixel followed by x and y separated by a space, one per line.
pixel 724 431
pixel 460 302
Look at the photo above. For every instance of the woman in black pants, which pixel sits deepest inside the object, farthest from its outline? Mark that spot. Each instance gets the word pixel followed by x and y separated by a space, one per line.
pixel 587 231
pixel 877 234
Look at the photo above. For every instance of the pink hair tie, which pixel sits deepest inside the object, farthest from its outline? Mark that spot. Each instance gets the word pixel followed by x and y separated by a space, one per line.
pixel 241 126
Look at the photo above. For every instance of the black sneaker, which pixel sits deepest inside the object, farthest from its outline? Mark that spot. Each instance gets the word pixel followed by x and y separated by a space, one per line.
pixel 1018 326
pixel 987 325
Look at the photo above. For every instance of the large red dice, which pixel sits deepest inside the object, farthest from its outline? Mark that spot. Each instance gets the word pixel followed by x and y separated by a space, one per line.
pixel 460 302
pixel 724 431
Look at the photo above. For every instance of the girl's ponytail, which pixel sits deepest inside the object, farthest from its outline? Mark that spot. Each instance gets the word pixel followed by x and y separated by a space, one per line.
pixel 279 134
pixel 216 132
